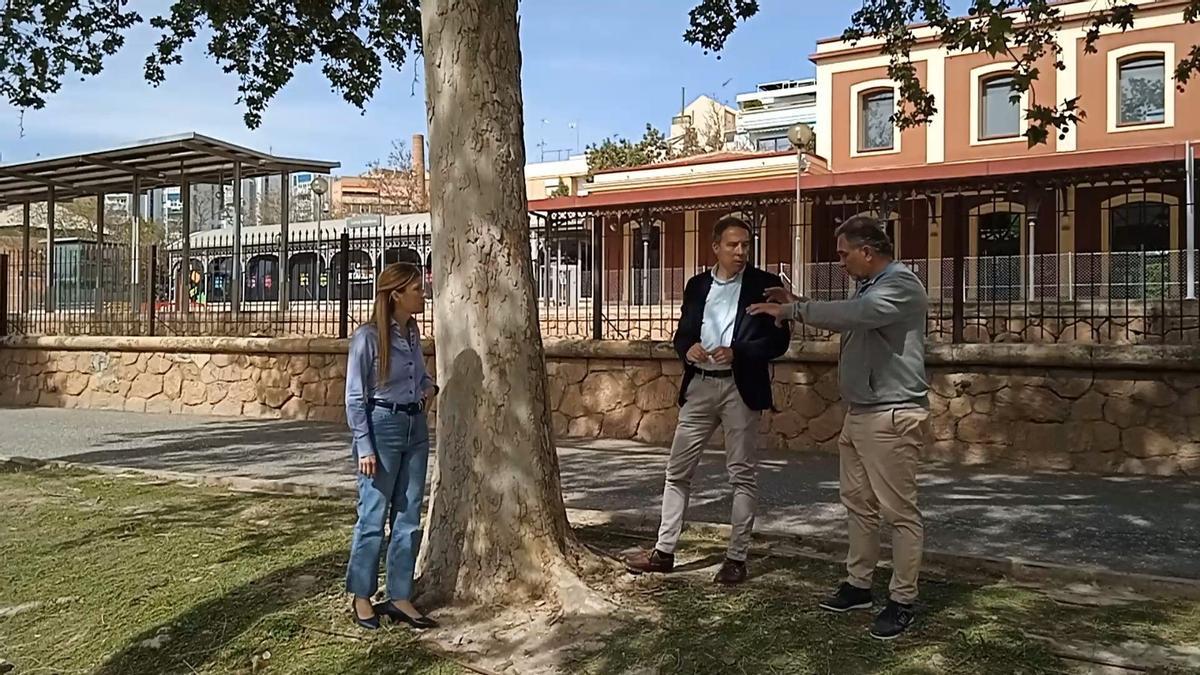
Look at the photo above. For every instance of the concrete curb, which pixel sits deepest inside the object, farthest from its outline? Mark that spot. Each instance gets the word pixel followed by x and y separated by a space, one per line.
pixel 643 526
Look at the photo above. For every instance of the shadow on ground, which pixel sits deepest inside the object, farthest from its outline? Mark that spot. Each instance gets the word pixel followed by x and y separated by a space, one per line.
pixel 1126 523
pixel 268 449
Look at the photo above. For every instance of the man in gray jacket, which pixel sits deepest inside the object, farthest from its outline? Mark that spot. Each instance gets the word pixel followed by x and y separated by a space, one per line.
pixel 881 374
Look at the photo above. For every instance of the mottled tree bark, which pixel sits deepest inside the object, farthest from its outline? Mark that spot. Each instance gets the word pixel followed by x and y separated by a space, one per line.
pixel 497 528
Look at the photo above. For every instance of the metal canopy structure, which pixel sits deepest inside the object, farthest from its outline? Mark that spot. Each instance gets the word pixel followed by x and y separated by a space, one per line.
pixel 182 160
pixel 145 165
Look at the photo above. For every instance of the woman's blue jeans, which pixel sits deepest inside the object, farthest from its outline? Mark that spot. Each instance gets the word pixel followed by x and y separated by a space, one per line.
pixel 395 493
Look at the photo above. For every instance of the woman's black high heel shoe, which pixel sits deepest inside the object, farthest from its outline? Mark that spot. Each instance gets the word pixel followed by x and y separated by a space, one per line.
pixel 366 624
pixel 398 615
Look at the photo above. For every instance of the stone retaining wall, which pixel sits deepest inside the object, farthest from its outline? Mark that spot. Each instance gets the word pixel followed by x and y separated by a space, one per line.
pixel 1036 407
pixel 266 378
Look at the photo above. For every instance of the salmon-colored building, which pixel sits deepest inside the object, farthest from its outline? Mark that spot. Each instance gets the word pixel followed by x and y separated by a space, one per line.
pixel 1088 237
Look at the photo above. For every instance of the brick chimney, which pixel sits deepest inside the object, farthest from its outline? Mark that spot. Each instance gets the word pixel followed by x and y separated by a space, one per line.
pixel 418 167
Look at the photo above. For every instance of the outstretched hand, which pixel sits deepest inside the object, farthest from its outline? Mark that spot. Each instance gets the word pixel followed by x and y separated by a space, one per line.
pixel 771 309
pixel 780 295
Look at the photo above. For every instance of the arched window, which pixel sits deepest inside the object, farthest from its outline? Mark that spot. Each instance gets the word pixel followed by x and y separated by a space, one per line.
pixel 1139 231
pixel 1141 90
pixel 999 110
pixel 1139 87
pixel 875 129
pixel 1139 238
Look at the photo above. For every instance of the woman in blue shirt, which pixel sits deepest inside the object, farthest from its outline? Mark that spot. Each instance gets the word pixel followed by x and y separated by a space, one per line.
pixel 391 444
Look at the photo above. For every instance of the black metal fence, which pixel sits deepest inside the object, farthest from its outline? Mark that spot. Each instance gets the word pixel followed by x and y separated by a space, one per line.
pixel 325 289
pixel 1099 258
pixel 1080 258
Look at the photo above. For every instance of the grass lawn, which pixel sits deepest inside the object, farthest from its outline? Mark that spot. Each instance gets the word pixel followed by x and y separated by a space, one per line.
pixel 772 625
pixel 138 578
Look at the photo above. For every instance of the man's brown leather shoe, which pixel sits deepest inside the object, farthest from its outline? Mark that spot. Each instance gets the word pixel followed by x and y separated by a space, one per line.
pixel 731 572
pixel 653 560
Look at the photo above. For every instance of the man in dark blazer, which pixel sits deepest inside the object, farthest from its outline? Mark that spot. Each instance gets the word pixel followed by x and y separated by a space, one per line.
pixel 726 381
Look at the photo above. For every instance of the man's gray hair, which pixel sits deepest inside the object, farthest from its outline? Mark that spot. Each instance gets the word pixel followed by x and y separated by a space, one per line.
pixel 867 231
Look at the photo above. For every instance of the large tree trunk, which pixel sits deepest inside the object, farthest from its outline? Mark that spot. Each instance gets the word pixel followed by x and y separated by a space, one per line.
pixel 497 527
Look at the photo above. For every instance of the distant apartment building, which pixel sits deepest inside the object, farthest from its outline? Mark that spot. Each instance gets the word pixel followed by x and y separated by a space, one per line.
pixel 352 195
pixel 712 122
pixel 212 204
pixel 304 203
pixel 382 189
pixel 765 114
pixel 563 177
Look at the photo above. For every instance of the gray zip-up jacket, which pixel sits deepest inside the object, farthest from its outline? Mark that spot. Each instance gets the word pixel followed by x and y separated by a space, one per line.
pixel 882 361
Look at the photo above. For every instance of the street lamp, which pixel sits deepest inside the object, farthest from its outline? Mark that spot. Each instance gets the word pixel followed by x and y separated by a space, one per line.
pixel 319 186
pixel 801 137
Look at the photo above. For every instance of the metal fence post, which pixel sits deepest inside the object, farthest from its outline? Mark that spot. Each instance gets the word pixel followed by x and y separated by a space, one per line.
pixel 3 294
pixel 1190 219
pixel 344 287
pixel 957 321
pixel 152 287
pixel 597 280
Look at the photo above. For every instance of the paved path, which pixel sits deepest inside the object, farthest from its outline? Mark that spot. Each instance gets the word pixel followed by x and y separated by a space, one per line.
pixel 1148 525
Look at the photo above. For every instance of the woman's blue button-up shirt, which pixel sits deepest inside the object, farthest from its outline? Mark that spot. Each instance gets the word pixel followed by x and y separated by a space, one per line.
pixel 406 380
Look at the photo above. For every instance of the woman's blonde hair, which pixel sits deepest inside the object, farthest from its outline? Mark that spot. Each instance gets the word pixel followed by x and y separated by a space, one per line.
pixel 394 277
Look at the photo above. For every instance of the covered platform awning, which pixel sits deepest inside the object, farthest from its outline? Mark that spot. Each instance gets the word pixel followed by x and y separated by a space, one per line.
pixel 149 164
pixel 182 160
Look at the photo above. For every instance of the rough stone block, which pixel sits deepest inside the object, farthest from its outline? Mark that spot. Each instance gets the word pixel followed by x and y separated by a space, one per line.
pixel 606 391
pixel 295 409
pixel 658 426
pixel 828 425
pixel 1124 412
pixel 1150 466
pixel 560 424
pixel 1144 442
pixel 1154 393
pixel 976 429
pixel 314 393
pixel 587 426
pixel 1090 406
pixel 230 406
pixel 146 386
pixel 621 423
pixel 657 395
pixel 646 373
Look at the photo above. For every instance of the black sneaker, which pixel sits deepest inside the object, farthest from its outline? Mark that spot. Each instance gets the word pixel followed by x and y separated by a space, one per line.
pixel 847 598
pixel 732 572
pixel 892 621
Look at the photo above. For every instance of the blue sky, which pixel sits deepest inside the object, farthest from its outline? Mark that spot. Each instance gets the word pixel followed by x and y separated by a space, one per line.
pixel 608 66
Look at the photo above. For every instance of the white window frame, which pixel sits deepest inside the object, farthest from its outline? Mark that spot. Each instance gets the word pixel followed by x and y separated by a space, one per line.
pixel 978 75
pixel 856 96
pixel 1115 56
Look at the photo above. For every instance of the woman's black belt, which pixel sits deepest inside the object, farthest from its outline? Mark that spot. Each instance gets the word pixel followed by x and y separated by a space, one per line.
pixel 407 408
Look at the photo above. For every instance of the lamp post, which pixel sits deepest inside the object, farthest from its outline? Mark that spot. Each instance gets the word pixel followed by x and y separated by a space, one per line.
pixel 319 186
pixel 801 137
pixel 1033 207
